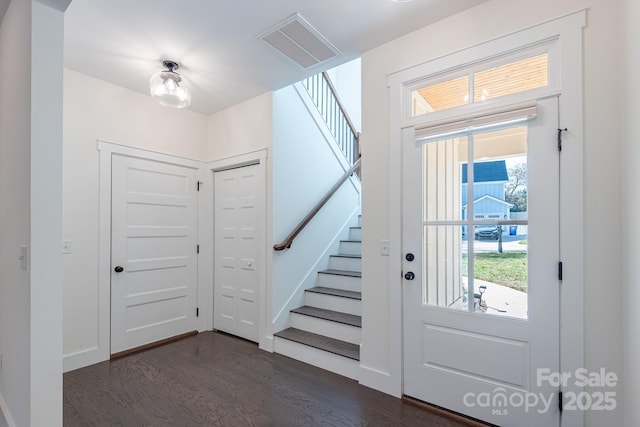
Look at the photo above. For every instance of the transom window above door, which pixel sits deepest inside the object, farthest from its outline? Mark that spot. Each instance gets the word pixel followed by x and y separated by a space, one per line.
pixel 481 82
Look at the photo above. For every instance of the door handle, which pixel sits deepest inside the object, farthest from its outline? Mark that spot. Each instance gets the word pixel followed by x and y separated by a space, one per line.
pixel 409 275
pixel 118 269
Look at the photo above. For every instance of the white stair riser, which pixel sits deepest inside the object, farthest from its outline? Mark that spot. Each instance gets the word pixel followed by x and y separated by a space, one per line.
pixel 327 328
pixel 335 303
pixel 331 362
pixel 355 234
pixel 351 248
pixel 345 263
pixel 335 281
pixel 359 220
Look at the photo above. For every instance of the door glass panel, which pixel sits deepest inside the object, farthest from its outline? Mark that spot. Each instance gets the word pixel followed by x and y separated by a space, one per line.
pixel 440 96
pixel 491 276
pixel 514 77
pixel 500 269
pixel 500 259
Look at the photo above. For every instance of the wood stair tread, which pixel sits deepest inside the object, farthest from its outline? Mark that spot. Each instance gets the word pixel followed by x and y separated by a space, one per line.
pixel 331 345
pixel 336 292
pixel 349 273
pixel 346 256
pixel 333 316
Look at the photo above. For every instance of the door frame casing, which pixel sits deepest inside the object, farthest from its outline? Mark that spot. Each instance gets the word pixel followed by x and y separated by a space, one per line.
pixel 107 150
pixel 102 351
pixel 568 32
pixel 539 329
pixel 259 158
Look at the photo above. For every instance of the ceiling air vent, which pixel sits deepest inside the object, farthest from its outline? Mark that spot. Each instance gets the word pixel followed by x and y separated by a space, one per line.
pixel 299 41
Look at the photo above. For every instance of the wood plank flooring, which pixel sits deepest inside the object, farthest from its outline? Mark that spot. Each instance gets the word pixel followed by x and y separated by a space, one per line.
pixel 213 379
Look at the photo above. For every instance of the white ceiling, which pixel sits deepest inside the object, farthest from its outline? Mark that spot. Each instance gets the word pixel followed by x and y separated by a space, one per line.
pixel 124 41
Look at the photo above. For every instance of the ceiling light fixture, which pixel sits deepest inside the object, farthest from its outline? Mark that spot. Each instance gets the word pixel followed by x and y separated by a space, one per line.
pixel 169 88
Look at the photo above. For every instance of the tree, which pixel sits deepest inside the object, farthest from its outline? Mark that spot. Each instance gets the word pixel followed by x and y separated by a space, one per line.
pixel 516 188
pixel 519 201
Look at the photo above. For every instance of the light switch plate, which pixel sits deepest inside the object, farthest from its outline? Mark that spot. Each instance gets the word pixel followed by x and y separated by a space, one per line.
pixel 23 257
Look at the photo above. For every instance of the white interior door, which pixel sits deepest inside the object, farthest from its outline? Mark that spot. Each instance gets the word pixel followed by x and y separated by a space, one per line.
pixel 154 265
pixel 237 270
pixel 477 335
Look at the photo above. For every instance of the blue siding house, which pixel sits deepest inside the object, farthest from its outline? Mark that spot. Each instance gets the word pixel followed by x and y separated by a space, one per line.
pixel 489 180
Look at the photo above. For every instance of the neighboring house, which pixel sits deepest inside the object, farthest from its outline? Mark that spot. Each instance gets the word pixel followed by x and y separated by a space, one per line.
pixel 489 180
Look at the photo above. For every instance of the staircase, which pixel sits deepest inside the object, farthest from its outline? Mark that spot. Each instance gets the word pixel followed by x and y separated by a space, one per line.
pixel 326 331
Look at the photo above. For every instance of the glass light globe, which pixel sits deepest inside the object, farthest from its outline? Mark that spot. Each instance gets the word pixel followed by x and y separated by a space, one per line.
pixel 169 88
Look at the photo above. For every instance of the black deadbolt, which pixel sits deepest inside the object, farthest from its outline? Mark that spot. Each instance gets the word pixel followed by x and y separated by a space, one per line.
pixel 409 275
pixel 118 269
pixel 410 257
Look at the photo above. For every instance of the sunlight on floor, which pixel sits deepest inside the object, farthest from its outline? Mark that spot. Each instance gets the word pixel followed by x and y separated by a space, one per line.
pixel 498 300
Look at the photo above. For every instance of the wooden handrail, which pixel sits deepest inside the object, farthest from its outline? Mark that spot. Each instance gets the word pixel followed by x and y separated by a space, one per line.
pixel 325 75
pixel 286 244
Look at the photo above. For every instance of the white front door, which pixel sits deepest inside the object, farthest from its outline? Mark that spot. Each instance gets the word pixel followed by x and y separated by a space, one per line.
pixel 237 271
pixel 153 251
pixel 480 297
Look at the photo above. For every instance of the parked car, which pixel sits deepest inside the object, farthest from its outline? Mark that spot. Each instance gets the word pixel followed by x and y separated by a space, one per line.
pixel 487 232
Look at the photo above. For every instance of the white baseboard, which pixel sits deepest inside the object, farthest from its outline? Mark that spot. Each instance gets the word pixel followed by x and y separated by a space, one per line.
pixel 378 380
pixel 5 416
pixel 80 359
pixel 266 343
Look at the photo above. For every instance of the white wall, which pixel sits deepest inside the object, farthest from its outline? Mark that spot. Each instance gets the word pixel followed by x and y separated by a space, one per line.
pixel 603 292
pixel 47 42
pixel 304 169
pixel 347 79
pixel 15 122
pixel 95 109
pixel 240 129
pixel 31 40
pixel 630 15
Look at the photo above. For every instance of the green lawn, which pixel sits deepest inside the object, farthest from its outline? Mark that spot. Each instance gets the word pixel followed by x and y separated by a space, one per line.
pixel 507 268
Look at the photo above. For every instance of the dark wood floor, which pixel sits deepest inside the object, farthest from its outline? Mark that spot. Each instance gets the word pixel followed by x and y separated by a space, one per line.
pixel 213 379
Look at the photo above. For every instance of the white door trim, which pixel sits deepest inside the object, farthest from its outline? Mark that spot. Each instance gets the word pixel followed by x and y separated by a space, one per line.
pixel 106 149
pixel 258 158
pixel 568 30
